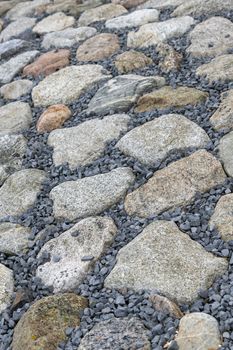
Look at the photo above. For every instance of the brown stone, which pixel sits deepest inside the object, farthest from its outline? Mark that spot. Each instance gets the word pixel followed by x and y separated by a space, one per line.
pixel 98 47
pixel 130 60
pixel 53 118
pixel 223 116
pixel 163 304
pixel 171 59
pixel 128 3
pixel 48 63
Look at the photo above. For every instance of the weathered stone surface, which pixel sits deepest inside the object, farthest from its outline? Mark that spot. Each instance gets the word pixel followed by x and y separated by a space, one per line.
pixel 222 218
pixel 98 47
pixel 223 117
pixel 225 152
pixel 6 287
pixel 16 28
pixel 15 117
pixel 128 3
pixel 153 33
pixel 94 236
pixel 164 305
pixel 121 92
pixel 54 23
pixel 220 68
pixel 130 60
pixel 169 97
pixel 90 195
pixel 85 142
pixel 11 68
pixel 212 37
pixel 1 22
pixel 48 63
pixel 100 13
pixel 176 185
pixel 182 268
pixel 67 37
pixel 12 150
pixel 52 118
pixel 171 59
pixel 25 9
pixel 11 47
pixel 13 238
pixel 6 6
pixel 198 331
pixel 67 84
pixel 160 4
pixel 151 142
pixel 72 7
pixel 16 89
pixel 133 19
pixel 19 191
pixel 200 7
pixel 43 325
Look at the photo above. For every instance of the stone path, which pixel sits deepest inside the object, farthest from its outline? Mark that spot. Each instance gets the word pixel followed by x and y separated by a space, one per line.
pixel 116 166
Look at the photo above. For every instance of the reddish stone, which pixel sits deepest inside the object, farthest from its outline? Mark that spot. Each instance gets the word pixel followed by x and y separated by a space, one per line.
pixel 53 117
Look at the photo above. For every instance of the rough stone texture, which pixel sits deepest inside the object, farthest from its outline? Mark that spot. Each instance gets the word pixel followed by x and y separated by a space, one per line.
pixel 16 28
pixel 43 325
pixel 26 9
pixel 19 191
pixel 1 22
pixel 11 47
pixel 200 7
pixel 121 92
pixel 225 151
pixel 11 68
pixel 171 59
pixel 16 89
pixel 128 3
pixel 48 63
pixel 95 235
pixel 98 47
pixel 101 13
pixel 117 333
pixel 6 6
pixel 13 238
pixel 130 60
pixel 54 23
pixel 164 305
pixel 152 141
pixel 72 7
pixel 222 217
pixel 220 68
pixel 169 97
pixel 212 37
pixel 176 185
pixel 6 287
pixel 52 118
pixel 153 33
pixel 67 37
pixel 67 84
pixel 90 195
pixel 12 150
pixel 85 142
pixel 160 4
pixel 198 331
pixel 182 267
pixel 133 19
pixel 223 116
pixel 15 117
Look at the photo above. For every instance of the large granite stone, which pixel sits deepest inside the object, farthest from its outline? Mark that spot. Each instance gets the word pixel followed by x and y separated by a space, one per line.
pixel 26 9
pixel 16 89
pixel 90 195
pixel 130 60
pixel 200 7
pixel 11 47
pixel 133 19
pixel 13 238
pixel 151 142
pixel 128 3
pixel 225 152
pixel 71 7
pixel 222 218
pixel 160 4
pixel 74 253
pixel 176 185
pixel 67 84
pixel 223 117
pixel 54 23
pixel 16 28
pixel 220 68
pixel 164 259
pixel 6 287
pixel 15 117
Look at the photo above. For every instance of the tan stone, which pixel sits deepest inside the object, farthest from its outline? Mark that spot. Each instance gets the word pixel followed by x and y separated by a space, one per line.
pixel 163 304
pixel 128 3
pixel 169 97
pixel 130 60
pixel 98 47
pixel 48 63
pixel 220 68
pixel 53 117
pixel 171 59
pixel 53 23
pixel 223 117
pixel 222 219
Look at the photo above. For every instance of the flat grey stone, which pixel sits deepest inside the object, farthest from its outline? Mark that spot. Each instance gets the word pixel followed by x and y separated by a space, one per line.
pixel 95 234
pixel 133 19
pixel 160 4
pixel 15 117
pixel 225 152
pixel 222 218
pixel 67 84
pixel 11 68
pixel 90 195
pixel 198 330
pixel 6 287
pixel 25 9
pixel 19 191
pixel 85 142
pixel 121 92
pixel 53 23
pixel 16 28
pixel 212 37
pixel 223 116
pixel 117 333
pixel 11 47
pixel 12 150
pixel 16 89
pixel 153 33
pixel 151 142
pixel 220 68
pixel 163 259
pixel 176 185
pixel 200 7
pixel 13 238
